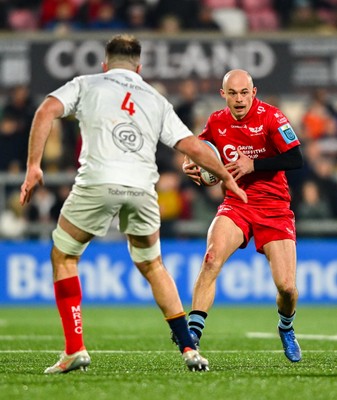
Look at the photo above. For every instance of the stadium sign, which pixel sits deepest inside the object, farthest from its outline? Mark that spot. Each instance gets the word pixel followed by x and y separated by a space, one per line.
pixel 108 276
pixel 164 59
pixel 281 65
pixel 278 65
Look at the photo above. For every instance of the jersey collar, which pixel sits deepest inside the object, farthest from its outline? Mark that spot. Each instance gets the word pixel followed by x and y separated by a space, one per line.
pixel 127 72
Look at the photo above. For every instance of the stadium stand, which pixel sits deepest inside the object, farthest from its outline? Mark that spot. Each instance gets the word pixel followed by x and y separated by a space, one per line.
pixel 313 113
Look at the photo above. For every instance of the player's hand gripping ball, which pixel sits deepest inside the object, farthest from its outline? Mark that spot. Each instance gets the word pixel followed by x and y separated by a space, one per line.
pixel 206 177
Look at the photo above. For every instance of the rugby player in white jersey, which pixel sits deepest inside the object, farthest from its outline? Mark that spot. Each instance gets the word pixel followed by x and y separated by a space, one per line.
pixel 121 119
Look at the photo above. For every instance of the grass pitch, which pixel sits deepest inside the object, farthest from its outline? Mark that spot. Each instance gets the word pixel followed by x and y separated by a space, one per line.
pixel 134 359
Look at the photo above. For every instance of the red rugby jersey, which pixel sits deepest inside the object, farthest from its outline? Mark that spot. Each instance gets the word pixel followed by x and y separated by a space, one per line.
pixel 264 132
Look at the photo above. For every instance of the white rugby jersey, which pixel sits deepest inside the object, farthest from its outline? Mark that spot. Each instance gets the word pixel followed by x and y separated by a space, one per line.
pixel 121 119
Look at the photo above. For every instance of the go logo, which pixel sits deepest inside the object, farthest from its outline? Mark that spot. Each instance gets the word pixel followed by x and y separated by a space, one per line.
pixel 127 137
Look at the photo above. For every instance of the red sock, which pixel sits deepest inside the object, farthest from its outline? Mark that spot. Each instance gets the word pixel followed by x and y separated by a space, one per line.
pixel 68 295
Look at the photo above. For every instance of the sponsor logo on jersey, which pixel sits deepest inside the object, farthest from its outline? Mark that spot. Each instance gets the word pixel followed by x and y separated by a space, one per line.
pixel 251 151
pixel 260 110
pixel 287 133
pixel 230 153
pixel 222 133
pixel 280 118
pixel 258 129
pixel 239 126
pixel 127 137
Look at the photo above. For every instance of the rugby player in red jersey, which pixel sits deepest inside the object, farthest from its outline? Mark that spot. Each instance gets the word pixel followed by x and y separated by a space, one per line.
pixel 257 144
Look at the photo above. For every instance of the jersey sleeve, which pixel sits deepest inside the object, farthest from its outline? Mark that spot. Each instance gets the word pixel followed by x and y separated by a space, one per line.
pixel 68 95
pixel 173 129
pixel 206 134
pixel 282 133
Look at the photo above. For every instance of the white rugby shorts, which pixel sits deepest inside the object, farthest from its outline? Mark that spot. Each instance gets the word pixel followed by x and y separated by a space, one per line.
pixel 92 209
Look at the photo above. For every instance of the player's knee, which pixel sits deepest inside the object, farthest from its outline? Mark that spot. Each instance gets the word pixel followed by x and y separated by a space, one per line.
pixel 287 291
pixel 57 255
pixel 211 262
pixel 66 243
pixel 139 255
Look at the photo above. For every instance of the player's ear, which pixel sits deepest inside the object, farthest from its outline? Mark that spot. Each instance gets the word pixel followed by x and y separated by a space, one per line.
pixel 139 68
pixel 104 66
pixel 222 93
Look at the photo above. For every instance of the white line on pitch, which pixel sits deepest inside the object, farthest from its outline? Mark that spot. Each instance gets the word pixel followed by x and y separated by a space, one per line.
pixel 250 335
pixel 27 337
pixel 265 335
pixel 161 351
pixel 52 337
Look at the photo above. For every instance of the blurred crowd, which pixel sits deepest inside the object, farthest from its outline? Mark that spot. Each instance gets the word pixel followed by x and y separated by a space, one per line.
pixel 169 16
pixel 186 209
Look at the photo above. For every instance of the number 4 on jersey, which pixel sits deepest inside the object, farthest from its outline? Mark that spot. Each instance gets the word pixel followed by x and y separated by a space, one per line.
pixel 128 104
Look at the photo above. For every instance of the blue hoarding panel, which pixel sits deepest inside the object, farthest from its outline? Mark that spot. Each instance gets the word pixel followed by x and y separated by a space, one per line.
pixel 109 277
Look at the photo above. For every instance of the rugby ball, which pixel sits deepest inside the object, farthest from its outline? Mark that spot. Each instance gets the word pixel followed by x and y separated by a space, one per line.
pixel 206 177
